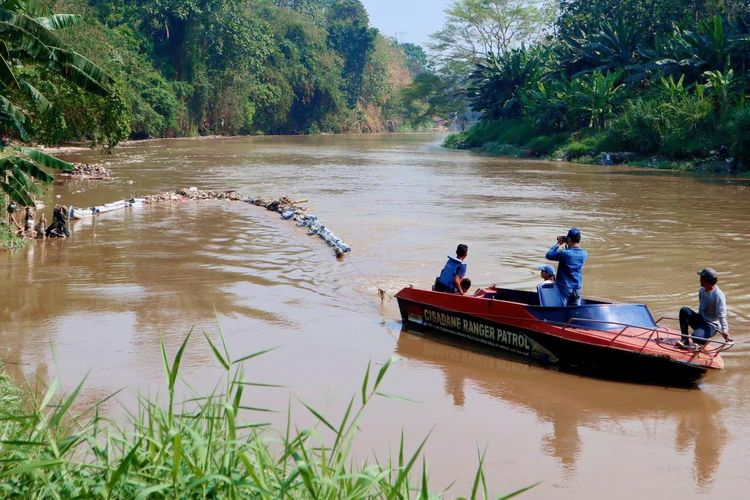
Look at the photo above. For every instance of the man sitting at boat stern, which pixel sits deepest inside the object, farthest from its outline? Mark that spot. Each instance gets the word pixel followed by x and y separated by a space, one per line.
pixel 454 271
pixel 568 252
pixel 712 312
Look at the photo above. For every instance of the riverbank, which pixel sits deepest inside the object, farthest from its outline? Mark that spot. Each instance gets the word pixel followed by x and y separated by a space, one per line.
pixel 518 139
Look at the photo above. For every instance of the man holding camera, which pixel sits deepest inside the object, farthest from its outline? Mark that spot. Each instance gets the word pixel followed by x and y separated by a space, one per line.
pixel 568 252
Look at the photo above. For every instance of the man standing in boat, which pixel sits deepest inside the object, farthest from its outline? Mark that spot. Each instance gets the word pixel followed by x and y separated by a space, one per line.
pixel 454 271
pixel 568 252
pixel 712 312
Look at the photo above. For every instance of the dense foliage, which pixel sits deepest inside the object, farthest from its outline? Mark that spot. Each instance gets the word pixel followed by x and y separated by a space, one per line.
pixel 31 54
pixel 188 67
pixel 663 77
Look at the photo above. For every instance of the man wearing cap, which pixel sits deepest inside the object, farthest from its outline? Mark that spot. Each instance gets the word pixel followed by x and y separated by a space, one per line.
pixel 570 270
pixel 453 272
pixel 712 312
pixel 548 273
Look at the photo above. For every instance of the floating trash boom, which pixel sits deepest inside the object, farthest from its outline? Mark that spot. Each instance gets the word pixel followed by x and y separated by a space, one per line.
pixel 288 209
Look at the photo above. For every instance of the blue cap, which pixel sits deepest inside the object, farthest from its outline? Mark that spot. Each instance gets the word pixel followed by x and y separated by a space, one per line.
pixel 547 269
pixel 710 274
pixel 574 233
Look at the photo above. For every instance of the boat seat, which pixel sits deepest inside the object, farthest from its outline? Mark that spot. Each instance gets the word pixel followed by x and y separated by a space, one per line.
pixel 549 295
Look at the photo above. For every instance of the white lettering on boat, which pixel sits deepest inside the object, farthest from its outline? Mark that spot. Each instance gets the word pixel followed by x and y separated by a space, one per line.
pixel 487 334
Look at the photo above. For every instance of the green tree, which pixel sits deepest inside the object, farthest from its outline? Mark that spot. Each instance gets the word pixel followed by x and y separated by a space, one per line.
pixel 498 84
pixel 416 58
pixel 429 96
pixel 476 28
pixel 351 37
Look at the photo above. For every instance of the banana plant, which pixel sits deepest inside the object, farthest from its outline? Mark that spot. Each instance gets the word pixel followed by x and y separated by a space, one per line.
pixel 615 45
pixel 21 169
pixel 27 38
pixel 595 97
pixel 715 44
pixel 497 85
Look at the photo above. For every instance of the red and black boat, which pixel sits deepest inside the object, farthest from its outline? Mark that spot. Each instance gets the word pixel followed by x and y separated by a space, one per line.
pixel 608 339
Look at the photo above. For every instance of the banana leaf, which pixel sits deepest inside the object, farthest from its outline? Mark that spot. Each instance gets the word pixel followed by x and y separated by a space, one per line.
pixel 33 170
pixel 46 160
pixel 59 21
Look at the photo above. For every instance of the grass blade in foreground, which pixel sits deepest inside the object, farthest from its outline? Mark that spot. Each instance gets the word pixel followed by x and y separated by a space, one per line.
pixel 201 450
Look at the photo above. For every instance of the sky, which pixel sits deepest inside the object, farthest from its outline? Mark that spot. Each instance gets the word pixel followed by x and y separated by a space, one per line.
pixel 407 20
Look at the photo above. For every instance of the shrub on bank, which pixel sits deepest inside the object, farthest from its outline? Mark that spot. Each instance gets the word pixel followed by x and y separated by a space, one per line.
pixel 637 128
pixel 546 144
pixel 502 149
pixel 199 449
pixel 573 151
pixel 8 238
pixel 739 132
pixel 455 141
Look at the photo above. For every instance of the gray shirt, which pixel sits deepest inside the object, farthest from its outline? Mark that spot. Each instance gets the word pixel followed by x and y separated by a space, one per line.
pixel 713 307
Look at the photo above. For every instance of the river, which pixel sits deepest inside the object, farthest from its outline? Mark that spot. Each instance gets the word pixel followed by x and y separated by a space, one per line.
pixel 99 302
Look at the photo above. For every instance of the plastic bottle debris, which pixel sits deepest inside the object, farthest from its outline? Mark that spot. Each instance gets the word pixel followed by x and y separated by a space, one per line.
pixel 87 171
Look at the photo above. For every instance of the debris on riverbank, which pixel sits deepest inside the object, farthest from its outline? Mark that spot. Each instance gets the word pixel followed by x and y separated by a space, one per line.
pixel 289 209
pixel 87 171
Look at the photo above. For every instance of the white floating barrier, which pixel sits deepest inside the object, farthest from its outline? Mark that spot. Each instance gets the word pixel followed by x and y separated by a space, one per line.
pixel 288 209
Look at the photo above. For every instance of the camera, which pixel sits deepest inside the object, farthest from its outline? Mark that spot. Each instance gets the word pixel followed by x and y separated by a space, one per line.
pixel 562 239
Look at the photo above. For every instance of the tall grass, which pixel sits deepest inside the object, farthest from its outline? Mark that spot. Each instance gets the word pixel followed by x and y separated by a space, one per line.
pixel 197 449
pixel 8 238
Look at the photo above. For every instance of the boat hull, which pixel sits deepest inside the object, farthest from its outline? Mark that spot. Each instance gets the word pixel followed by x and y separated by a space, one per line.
pixel 505 327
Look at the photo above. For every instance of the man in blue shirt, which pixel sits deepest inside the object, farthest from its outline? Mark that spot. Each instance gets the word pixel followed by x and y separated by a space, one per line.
pixel 454 271
pixel 568 252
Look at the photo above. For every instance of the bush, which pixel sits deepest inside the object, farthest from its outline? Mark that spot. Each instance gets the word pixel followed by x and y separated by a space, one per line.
pixel 739 132
pixel 637 129
pixel 8 238
pixel 545 144
pixel 518 131
pixel 502 149
pixel 573 151
pixel 455 141
pixel 686 122
pixel 481 133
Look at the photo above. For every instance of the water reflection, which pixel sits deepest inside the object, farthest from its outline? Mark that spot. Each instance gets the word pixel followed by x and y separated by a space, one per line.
pixel 571 403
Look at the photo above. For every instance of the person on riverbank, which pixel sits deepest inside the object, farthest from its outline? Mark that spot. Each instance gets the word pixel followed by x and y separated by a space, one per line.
pixel 28 224
pixel 711 317
pixel 59 226
pixel 571 257
pixel 453 272
pixel 548 273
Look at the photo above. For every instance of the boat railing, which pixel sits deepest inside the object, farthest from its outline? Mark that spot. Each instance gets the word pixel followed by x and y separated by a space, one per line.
pixel 651 332
pixel 717 345
pixel 723 345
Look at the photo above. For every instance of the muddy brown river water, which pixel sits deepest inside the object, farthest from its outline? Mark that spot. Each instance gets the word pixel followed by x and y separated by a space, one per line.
pixel 98 302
